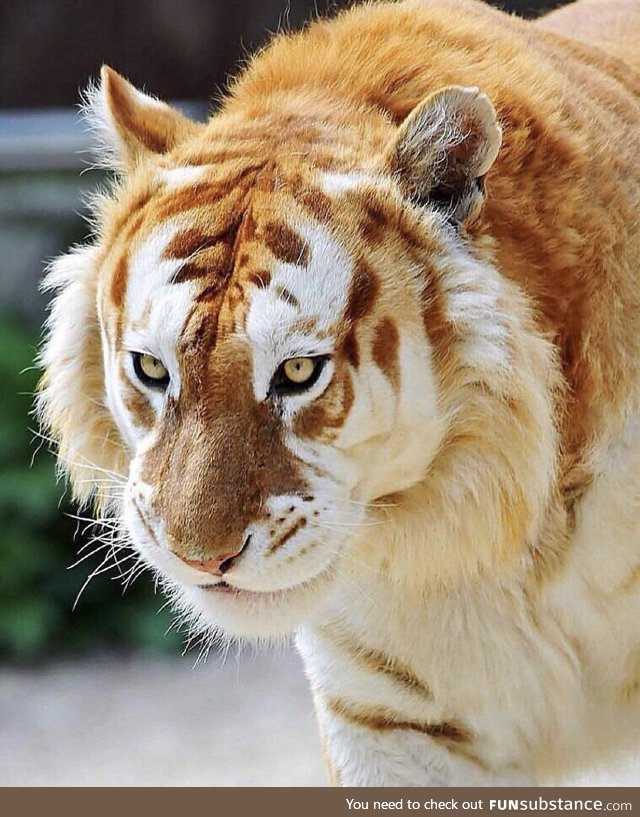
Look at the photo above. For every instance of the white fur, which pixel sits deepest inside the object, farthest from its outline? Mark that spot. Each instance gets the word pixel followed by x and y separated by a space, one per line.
pixel 321 288
pixel 185 176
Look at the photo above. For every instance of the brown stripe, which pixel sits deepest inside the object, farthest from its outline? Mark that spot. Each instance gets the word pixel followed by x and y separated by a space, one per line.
pixel 138 405
pixel 210 293
pixel 452 736
pixel 321 419
pixel 385 720
pixel 318 204
pixel 363 293
pixel 385 350
pixel 189 272
pixel 286 295
pixel 285 244
pixel 279 542
pixel 376 661
pixel 260 278
pixel 215 261
pixel 135 212
pixel 374 225
pixel 119 280
pixel 439 329
pixel 188 243
pixel 204 195
pixel 137 221
pixel 350 348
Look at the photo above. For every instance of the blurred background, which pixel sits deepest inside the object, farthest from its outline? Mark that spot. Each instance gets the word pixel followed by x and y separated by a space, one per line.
pixel 101 694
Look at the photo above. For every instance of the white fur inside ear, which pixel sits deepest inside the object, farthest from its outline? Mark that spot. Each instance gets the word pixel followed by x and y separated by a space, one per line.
pixel 444 146
pixel 443 122
pixel 107 149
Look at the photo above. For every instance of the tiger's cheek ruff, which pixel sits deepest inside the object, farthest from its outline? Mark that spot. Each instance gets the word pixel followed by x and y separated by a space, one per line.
pixel 402 410
pixel 70 402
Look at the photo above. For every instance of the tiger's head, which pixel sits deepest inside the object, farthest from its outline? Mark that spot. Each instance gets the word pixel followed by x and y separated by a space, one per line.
pixel 257 347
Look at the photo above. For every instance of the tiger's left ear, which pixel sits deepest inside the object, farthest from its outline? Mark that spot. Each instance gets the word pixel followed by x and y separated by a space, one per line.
pixel 443 150
pixel 132 126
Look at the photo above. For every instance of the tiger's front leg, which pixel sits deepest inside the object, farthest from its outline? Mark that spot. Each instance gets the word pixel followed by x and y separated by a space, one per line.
pixel 383 726
pixel 378 752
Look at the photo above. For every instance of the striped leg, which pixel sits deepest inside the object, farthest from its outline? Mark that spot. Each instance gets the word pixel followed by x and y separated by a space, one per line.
pixel 381 724
pixel 383 752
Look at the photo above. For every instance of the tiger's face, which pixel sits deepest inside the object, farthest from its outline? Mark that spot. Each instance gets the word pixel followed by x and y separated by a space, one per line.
pixel 271 335
pixel 261 380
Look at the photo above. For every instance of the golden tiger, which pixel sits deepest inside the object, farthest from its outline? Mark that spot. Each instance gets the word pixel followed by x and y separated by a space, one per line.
pixel 359 358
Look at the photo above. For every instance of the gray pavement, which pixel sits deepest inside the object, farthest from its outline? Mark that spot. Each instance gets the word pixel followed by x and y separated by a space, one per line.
pixel 150 722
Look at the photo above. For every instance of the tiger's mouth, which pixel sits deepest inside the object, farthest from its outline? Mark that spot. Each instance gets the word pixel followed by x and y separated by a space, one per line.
pixel 218 587
pixel 264 613
pixel 224 588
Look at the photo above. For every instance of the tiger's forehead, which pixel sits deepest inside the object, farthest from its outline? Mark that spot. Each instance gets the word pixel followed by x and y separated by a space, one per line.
pixel 212 251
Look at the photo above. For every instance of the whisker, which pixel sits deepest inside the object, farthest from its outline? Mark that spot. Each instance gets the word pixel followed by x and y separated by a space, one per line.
pixel 354 525
pixel 136 571
pixel 365 504
pixel 343 554
pixel 90 554
pixel 88 579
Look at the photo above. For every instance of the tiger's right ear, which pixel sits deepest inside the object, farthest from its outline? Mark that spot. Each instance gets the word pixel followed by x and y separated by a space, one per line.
pixel 441 153
pixel 132 127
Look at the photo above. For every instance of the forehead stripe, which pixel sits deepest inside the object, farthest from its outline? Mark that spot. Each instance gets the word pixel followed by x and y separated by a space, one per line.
pixel 205 254
pixel 287 296
pixel 232 188
pixel 286 245
pixel 260 278
pixel 189 242
pixel 363 293
pixel 216 261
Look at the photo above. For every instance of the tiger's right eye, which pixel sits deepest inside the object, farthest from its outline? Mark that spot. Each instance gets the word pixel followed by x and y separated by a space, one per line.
pixel 150 371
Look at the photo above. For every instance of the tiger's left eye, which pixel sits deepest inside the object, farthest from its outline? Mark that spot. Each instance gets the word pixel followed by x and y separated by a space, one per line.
pixel 299 370
pixel 298 373
pixel 150 371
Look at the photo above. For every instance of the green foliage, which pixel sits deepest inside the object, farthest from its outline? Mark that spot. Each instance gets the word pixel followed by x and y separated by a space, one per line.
pixel 38 541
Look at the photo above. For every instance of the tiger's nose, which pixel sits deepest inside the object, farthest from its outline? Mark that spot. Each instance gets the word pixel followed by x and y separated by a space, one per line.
pixel 218 565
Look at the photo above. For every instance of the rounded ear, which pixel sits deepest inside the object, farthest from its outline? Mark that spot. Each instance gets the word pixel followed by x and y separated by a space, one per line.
pixel 443 150
pixel 132 126
pixel 70 401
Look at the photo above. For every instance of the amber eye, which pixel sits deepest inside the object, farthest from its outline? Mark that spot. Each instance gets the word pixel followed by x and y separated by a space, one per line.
pixel 298 373
pixel 299 369
pixel 150 371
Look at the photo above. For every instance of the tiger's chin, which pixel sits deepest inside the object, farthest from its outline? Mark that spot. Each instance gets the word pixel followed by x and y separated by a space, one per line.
pixel 253 615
